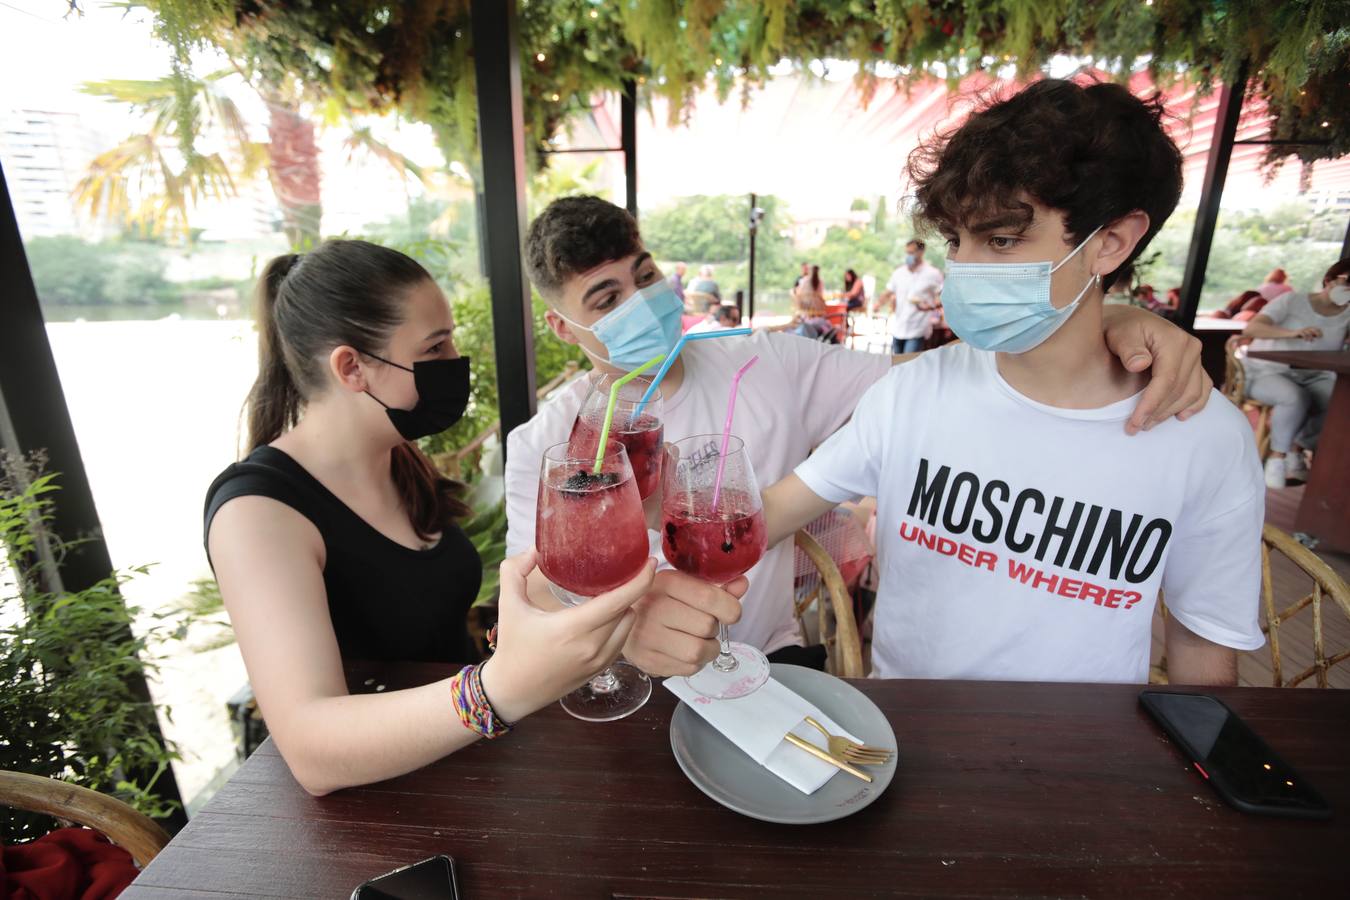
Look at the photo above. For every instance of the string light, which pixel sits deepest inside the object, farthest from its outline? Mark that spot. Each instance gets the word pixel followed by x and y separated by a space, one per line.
pixel 541 57
pixel 594 14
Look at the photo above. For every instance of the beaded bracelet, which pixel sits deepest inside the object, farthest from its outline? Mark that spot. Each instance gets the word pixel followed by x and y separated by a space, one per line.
pixel 472 706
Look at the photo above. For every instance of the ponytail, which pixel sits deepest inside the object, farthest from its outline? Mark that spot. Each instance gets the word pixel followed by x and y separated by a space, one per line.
pixel 431 500
pixel 274 400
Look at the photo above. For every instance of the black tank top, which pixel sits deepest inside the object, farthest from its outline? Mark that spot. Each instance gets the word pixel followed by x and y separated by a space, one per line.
pixel 388 602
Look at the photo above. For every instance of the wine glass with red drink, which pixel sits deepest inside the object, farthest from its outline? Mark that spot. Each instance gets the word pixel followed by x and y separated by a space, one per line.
pixel 636 425
pixel 716 532
pixel 592 537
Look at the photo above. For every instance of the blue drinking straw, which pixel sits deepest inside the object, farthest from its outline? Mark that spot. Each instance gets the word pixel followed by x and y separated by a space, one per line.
pixel 675 354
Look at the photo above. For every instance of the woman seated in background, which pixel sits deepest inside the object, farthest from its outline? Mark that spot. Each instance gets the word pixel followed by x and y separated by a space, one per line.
pixel 854 295
pixel 1298 397
pixel 808 305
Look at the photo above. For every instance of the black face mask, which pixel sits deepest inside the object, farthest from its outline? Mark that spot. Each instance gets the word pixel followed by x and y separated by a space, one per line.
pixel 442 395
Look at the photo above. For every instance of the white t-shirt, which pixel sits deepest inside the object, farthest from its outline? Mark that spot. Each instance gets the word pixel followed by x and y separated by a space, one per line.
pixel 923 283
pixel 796 396
pixel 1293 310
pixel 1023 542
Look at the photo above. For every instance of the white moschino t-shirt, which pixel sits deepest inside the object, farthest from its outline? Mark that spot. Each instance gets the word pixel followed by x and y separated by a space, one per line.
pixel 1023 542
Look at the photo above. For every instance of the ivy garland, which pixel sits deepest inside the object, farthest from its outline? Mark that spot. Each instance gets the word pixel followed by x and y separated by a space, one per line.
pixel 372 56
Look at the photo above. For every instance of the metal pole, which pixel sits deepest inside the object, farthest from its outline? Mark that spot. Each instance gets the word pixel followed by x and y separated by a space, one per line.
pixel 1207 216
pixel 34 416
pixel 501 133
pixel 628 137
pixel 1345 244
pixel 754 229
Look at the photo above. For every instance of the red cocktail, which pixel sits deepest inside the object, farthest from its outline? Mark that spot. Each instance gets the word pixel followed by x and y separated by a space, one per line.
pixel 589 526
pixel 714 546
pixel 592 537
pixel 641 437
pixel 713 528
pixel 636 425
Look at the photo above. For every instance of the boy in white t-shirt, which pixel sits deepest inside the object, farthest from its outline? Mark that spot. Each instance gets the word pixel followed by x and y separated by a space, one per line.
pixel 606 295
pixel 1021 535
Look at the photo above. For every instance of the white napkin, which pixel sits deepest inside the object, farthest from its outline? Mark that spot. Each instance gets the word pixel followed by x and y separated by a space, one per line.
pixel 757 724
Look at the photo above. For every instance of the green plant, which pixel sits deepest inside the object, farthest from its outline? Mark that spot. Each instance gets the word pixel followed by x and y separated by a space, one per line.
pixel 74 272
pixel 67 663
pixel 417 56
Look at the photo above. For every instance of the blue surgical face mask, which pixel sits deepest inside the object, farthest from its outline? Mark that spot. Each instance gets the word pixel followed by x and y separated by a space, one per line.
pixel 645 325
pixel 1006 307
pixel 911 259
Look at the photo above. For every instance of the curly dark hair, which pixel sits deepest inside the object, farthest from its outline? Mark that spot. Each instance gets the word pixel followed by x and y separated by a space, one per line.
pixel 1094 152
pixel 576 234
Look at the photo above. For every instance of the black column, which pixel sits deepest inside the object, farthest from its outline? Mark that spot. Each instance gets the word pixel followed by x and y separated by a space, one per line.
pixel 34 416
pixel 1207 216
pixel 628 137
pixel 1345 244
pixel 501 135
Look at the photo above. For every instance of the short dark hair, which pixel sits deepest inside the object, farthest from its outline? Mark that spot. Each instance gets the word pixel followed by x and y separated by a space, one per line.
pixel 916 243
pixel 573 235
pixel 1093 152
pixel 1337 270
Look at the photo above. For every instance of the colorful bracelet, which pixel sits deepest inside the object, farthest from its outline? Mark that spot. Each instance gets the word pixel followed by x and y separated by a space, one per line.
pixel 472 706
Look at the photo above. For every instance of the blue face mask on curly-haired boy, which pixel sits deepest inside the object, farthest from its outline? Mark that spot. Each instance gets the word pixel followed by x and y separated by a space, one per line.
pixel 1005 307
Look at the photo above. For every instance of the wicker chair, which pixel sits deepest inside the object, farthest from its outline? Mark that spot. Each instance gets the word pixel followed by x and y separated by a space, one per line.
pixel 121 824
pixel 1235 389
pixel 838 627
pixel 1326 583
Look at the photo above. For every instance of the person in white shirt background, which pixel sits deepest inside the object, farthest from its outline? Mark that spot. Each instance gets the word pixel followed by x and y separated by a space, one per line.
pixel 1299 397
pixel 913 288
pixel 1021 534
pixel 606 295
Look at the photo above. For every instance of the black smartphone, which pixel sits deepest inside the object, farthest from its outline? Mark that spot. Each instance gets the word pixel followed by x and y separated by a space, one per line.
pixel 430 879
pixel 1229 755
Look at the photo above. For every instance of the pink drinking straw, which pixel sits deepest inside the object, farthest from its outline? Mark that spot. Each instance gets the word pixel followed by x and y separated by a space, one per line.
pixel 726 430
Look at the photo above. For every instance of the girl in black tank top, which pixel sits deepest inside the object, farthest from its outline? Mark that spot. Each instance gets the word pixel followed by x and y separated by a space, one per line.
pixel 355 363
pixel 388 602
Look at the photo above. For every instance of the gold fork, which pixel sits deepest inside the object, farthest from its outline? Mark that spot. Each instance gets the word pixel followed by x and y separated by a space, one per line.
pixel 845 749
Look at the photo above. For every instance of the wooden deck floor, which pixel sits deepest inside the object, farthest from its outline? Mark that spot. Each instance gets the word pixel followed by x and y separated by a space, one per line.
pixel 1254 667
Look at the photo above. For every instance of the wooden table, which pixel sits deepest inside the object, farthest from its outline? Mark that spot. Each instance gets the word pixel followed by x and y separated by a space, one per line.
pixel 1003 790
pixel 1325 511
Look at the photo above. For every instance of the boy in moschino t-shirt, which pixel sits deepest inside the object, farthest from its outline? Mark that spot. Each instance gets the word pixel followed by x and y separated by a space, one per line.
pixel 1022 535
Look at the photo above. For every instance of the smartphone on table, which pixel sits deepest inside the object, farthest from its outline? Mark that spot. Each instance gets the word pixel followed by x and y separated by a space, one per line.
pixel 430 879
pixel 1231 757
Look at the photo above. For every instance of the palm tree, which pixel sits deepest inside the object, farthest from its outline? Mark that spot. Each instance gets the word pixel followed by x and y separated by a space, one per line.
pixel 147 179
pixel 169 180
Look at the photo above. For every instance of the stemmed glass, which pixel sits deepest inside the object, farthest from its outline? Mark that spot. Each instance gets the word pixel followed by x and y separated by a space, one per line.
pixel 592 537
pixel 715 535
pixel 636 425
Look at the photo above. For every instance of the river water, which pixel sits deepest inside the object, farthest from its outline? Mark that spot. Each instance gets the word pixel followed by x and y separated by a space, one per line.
pixel 156 406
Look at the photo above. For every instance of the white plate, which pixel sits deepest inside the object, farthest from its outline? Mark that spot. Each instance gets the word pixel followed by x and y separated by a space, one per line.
pixel 722 770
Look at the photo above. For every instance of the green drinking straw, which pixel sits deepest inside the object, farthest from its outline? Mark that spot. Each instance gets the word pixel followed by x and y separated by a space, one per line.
pixel 674 354
pixel 613 401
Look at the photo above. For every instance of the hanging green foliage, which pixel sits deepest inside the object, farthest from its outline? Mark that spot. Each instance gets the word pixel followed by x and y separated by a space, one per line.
pixel 417 55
